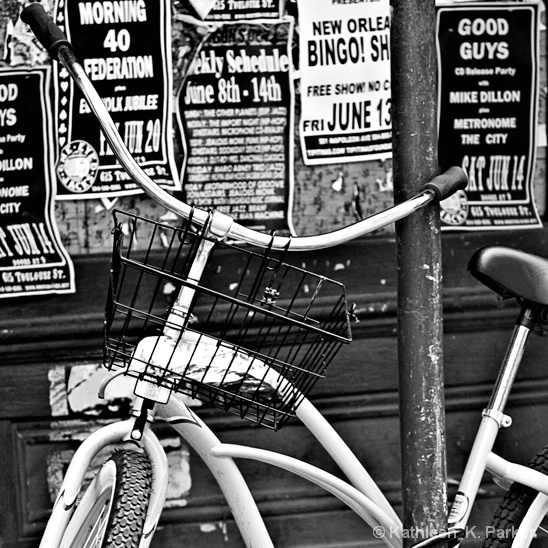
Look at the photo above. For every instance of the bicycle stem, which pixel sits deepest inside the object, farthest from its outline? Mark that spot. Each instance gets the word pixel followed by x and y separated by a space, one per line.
pixel 218 227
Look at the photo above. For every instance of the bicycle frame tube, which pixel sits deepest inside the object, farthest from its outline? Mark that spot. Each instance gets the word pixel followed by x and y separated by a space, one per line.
pixel 343 456
pixel 217 227
pixel 492 419
pixel 228 476
pixel 512 472
pixel 218 457
pixel 531 478
pixel 356 500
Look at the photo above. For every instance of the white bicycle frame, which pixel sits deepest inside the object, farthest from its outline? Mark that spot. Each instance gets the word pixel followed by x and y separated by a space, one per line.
pixel 365 499
pixel 362 494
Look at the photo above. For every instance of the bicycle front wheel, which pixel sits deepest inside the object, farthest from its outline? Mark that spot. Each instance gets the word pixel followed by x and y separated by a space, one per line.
pixel 521 519
pixel 112 511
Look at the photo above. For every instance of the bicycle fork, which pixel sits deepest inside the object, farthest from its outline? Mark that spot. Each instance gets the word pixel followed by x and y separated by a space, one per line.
pixel 135 430
pixel 493 418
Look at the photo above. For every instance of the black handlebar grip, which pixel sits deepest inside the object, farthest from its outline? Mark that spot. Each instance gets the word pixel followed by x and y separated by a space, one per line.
pixel 43 27
pixel 448 183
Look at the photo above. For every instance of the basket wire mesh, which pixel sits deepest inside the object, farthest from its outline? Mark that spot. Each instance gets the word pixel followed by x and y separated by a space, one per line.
pixel 255 338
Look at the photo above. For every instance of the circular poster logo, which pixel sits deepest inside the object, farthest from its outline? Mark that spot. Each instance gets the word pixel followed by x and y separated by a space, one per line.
pixel 77 166
pixel 454 210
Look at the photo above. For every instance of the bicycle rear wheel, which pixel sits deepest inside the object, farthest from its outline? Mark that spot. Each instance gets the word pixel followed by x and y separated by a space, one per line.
pixel 112 511
pixel 522 514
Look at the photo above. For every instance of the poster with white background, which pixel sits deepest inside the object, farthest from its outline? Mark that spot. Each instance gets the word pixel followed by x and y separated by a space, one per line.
pixel 344 64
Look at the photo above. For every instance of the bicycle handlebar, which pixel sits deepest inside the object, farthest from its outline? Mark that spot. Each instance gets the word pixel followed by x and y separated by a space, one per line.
pixel 43 27
pixel 54 40
pixel 447 183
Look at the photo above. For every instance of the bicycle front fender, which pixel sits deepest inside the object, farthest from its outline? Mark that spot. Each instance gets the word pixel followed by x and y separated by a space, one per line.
pixel 74 477
pixel 79 465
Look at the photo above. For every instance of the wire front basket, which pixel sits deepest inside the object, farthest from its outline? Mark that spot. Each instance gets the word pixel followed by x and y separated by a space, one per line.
pixel 256 336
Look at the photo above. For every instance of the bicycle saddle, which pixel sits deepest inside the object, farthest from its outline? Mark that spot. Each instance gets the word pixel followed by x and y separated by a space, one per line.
pixel 512 273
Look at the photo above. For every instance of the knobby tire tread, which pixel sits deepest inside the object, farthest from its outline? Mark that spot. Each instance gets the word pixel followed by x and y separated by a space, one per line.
pixel 127 517
pixel 514 506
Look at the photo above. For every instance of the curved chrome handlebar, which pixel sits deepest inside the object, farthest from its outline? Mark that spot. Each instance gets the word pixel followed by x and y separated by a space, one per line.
pixel 69 61
pixel 236 231
pixel 54 40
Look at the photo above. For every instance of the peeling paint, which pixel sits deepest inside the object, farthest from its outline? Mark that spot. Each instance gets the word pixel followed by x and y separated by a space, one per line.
pixel 108 204
pixel 386 184
pixel 435 276
pixel 434 354
pixel 169 216
pixel 57 391
pixel 178 456
pixel 83 385
pixel 224 529
pixel 81 388
pixel 337 184
pixel 208 527
pixel 211 527
pixel 180 480
pixel 168 288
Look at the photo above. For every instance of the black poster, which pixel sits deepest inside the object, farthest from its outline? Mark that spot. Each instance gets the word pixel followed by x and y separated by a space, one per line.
pixel 236 117
pixel 32 259
pixel 488 66
pixel 125 52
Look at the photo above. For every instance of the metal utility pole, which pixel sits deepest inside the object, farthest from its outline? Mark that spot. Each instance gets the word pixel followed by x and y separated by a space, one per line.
pixel 414 126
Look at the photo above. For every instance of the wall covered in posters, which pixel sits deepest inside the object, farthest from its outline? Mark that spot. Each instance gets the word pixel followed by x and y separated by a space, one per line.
pixel 278 113
pixel 231 94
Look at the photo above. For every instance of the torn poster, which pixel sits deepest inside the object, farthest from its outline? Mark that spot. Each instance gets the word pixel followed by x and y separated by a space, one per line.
pixel 235 112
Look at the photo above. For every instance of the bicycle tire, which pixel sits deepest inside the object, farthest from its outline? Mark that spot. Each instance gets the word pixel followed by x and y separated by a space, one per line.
pixel 114 505
pixel 520 505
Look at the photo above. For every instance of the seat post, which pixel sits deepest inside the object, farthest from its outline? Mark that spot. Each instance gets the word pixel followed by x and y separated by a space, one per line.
pixel 512 360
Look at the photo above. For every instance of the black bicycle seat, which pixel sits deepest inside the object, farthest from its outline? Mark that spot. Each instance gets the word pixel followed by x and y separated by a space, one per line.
pixel 512 273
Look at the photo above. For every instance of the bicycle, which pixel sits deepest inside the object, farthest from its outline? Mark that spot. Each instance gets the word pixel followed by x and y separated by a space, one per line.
pixel 267 381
